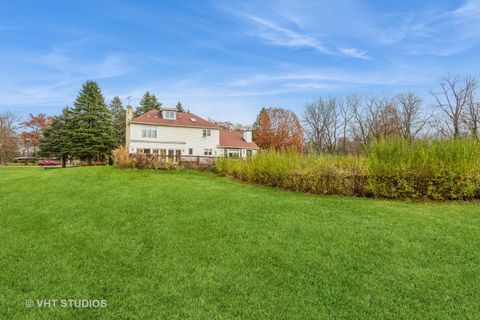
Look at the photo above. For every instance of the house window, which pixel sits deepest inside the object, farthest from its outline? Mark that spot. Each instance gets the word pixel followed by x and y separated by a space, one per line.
pixel 206 133
pixel 233 153
pixel 146 150
pixel 190 151
pixel 207 152
pixel 149 133
pixel 171 115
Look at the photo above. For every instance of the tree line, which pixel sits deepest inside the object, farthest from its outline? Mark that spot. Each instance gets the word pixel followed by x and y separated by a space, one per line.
pixel 92 128
pixel 347 124
pixel 87 131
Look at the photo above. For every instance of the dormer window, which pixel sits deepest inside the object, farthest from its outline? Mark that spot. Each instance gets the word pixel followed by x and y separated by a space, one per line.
pixel 170 115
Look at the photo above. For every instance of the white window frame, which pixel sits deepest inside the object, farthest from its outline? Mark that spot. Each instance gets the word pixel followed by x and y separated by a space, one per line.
pixel 149 132
pixel 207 132
pixel 169 115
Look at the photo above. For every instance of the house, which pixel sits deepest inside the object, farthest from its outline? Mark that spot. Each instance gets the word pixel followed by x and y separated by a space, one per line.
pixel 174 133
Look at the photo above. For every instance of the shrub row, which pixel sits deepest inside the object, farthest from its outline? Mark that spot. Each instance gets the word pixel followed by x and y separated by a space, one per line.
pixel 395 169
pixel 325 174
pixel 141 160
pixel 433 169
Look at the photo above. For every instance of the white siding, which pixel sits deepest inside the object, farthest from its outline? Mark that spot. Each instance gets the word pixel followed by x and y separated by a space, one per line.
pixel 178 138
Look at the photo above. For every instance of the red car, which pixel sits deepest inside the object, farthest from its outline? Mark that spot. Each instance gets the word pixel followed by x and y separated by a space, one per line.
pixel 48 163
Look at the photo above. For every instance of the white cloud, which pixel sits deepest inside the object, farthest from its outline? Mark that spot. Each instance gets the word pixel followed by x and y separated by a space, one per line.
pixel 286 37
pixel 470 9
pixel 54 78
pixel 279 34
pixel 355 53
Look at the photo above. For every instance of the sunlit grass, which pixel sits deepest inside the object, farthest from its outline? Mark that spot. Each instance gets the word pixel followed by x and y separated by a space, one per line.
pixel 180 244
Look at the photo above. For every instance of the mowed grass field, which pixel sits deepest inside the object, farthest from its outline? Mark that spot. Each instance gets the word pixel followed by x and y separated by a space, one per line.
pixel 176 245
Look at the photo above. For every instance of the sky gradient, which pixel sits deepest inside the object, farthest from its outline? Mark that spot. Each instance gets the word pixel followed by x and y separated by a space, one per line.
pixel 225 59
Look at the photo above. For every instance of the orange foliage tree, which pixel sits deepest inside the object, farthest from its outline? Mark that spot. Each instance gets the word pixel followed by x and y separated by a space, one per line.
pixel 36 124
pixel 278 129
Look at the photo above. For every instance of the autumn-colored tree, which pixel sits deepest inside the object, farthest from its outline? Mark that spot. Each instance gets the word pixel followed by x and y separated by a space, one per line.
pixel 26 142
pixel 279 129
pixel 263 136
pixel 36 124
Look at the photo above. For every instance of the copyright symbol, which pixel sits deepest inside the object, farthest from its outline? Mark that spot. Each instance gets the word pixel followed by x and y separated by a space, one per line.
pixel 29 303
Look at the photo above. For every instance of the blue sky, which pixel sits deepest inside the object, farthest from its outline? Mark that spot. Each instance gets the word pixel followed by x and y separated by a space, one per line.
pixel 226 59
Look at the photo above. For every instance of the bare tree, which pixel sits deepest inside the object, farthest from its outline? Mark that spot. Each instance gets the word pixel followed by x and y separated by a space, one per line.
pixel 383 113
pixel 229 125
pixel 453 99
pixel 409 115
pixel 9 123
pixel 313 124
pixel 358 125
pixel 472 117
pixel 346 116
pixel 321 120
pixel 365 123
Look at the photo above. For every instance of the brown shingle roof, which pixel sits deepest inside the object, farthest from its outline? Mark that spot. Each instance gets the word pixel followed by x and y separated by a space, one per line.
pixel 234 139
pixel 184 119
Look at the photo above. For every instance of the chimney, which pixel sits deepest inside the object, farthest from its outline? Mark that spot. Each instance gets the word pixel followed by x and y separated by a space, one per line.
pixel 128 118
pixel 129 113
pixel 247 136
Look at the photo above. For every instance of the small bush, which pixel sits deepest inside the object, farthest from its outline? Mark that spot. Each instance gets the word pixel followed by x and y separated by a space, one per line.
pixel 122 158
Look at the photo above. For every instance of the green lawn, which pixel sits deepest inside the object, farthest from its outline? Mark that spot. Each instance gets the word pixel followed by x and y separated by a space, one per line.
pixel 163 245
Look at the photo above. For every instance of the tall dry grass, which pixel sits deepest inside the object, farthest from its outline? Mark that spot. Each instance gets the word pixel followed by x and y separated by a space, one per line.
pixel 435 169
pixel 427 169
pixel 288 170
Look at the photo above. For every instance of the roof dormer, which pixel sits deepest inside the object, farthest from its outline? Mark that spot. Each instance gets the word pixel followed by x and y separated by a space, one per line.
pixel 169 114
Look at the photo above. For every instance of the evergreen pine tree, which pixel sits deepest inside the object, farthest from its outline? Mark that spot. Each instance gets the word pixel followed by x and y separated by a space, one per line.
pixel 148 102
pixel 118 113
pixel 179 107
pixel 90 131
pixel 54 142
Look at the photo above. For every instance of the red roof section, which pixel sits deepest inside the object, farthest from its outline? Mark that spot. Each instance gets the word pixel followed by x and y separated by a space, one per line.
pixel 183 120
pixel 234 139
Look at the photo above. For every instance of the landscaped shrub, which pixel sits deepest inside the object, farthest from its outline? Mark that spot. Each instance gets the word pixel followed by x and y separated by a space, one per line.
pixel 395 169
pixel 123 159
